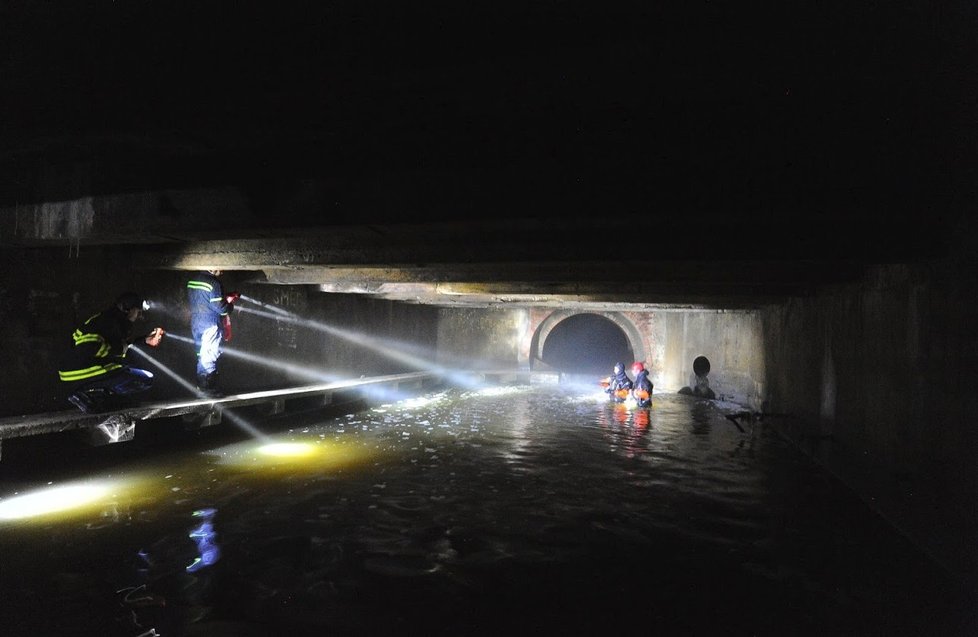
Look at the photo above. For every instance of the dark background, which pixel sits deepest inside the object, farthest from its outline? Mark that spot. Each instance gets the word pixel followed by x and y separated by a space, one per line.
pixel 833 117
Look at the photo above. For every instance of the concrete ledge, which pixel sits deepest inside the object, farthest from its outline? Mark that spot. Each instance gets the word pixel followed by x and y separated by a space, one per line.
pixel 119 426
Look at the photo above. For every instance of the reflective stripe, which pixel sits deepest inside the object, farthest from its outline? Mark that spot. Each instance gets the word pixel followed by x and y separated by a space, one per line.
pixel 82 338
pixel 200 285
pixel 82 374
pixel 214 298
pixel 104 347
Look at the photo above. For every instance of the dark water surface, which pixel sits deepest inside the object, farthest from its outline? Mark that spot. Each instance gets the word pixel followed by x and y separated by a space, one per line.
pixel 519 510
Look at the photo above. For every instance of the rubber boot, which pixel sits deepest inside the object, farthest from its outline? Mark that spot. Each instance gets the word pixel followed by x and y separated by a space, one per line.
pixel 90 401
pixel 82 401
pixel 207 385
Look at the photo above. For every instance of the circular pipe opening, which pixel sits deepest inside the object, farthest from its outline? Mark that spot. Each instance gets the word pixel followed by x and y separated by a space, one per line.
pixel 701 366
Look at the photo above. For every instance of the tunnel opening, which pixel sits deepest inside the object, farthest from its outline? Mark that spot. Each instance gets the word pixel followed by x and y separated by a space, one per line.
pixel 586 344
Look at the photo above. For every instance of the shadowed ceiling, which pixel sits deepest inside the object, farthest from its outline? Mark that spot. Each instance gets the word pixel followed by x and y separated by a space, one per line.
pixel 608 155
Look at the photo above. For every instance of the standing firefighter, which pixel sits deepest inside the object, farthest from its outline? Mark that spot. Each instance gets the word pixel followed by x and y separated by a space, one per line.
pixel 642 387
pixel 93 365
pixel 210 323
pixel 618 386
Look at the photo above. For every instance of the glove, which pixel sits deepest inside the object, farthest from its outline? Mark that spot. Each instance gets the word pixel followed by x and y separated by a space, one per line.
pixel 226 326
pixel 153 338
pixel 232 297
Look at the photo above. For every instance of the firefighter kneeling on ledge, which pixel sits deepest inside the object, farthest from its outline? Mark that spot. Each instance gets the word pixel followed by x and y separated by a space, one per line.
pixel 93 365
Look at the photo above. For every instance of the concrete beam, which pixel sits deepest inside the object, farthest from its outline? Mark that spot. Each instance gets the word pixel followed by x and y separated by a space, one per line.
pixel 576 272
pixel 474 242
pixel 650 296
pixel 489 263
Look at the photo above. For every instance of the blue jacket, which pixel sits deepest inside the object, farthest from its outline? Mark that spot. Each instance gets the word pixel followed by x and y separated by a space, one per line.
pixel 206 297
pixel 642 381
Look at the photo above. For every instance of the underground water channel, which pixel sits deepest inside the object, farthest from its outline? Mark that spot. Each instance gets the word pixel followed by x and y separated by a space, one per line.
pixel 515 509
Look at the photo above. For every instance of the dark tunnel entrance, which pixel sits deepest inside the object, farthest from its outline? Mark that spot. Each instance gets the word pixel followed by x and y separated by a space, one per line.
pixel 586 344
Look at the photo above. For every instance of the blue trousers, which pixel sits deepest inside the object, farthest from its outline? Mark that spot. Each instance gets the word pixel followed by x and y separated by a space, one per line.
pixel 208 337
pixel 128 380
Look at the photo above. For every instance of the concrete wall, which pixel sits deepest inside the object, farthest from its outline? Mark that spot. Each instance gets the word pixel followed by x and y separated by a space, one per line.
pixel 335 336
pixel 732 342
pixel 481 338
pixel 43 294
pixel 669 341
pixel 128 217
pixel 878 379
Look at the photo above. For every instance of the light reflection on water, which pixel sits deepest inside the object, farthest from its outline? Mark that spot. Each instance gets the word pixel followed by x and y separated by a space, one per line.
pixel 479 512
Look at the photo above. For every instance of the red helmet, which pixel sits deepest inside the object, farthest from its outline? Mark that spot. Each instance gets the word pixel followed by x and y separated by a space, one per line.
pixel 637 367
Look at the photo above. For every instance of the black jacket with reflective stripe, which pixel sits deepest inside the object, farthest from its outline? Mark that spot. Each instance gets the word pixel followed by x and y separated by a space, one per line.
pixel 97 346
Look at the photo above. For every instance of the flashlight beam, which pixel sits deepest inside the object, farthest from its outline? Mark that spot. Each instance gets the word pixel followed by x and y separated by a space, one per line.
pixel 267 306
pixel 296 370
pixel 236 419
pixel 381 346
pixel 384 347
pixel 166 370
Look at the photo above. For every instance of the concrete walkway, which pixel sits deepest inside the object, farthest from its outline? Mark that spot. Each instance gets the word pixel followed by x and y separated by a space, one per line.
pixel 120 426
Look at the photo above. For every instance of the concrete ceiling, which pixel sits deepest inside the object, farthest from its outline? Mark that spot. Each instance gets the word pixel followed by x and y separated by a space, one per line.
pixel 594 155
pixel 619 264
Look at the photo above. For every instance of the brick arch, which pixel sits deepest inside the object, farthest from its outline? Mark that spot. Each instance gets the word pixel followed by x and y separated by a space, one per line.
pixel 635 340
